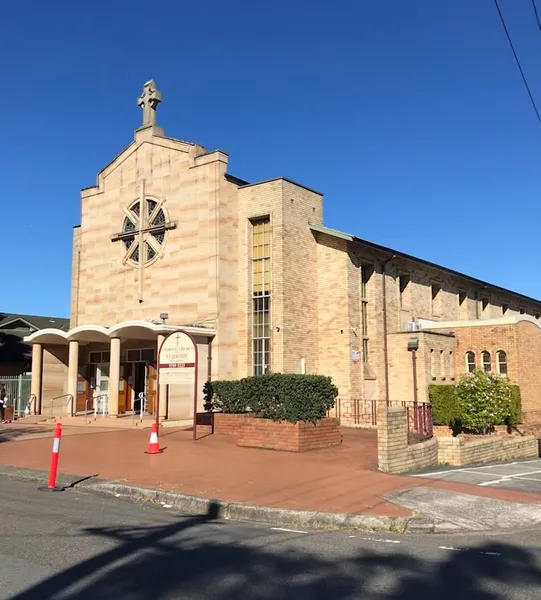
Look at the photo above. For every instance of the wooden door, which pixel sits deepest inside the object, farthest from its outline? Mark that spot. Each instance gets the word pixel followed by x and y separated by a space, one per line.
pixel 83 389
pixel 152 387
pixel 124 403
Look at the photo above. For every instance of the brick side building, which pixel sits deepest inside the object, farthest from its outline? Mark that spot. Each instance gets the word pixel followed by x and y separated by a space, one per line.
pixel 252 272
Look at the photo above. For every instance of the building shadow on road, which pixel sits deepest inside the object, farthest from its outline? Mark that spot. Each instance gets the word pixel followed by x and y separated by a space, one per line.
pixel 9 434
pixel 189 559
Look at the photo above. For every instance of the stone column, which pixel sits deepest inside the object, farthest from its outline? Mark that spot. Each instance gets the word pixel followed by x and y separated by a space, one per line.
pixel 37 366
pixel 114 377
pixel 162 388
pixel 73 372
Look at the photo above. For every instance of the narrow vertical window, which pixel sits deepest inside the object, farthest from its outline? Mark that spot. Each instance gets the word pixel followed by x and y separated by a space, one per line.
pixel 261 296
pixel 435 291
pixel 432 364
pixel 403 282
pixel 443 370
pixel 521 310
pixel 501 359
pixel 462 304
pixel 485 304
pixel 366 274
pixel 485 360
pixel 451 365
pixel 470 362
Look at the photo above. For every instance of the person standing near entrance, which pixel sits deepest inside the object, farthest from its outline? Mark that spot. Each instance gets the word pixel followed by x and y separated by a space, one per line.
pixel 3 403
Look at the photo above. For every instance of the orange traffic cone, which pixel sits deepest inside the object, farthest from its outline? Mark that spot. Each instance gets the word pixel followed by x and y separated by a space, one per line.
pixel 153 444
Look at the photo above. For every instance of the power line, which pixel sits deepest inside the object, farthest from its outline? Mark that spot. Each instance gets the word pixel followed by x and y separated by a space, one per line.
pixel 517 60
pixel 536 14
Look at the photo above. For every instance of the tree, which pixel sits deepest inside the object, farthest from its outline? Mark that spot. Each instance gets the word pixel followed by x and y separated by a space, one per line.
pixel 484 400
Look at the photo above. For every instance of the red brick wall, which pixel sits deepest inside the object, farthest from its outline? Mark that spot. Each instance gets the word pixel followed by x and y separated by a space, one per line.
pixel 293 437
pixel 529 361
pixel 228 424
pixel 490 338
pixel 522 343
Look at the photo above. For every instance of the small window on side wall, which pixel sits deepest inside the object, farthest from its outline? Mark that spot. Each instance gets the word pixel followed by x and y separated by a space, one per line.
pixel 485 359
pixel 470 362
pixel 501 359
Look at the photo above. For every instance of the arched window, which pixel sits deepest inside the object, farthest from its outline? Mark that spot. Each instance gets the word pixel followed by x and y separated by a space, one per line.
pixel 485 360
pixel 501 360
pixel 470 362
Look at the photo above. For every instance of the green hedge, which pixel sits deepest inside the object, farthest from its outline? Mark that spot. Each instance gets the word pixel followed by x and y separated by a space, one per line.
pixel 516 406
pixel 277 396
pixel 445 409
pixel 225 396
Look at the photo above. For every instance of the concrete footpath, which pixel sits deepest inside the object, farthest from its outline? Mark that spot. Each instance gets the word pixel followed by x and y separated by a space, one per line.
pixel 336 488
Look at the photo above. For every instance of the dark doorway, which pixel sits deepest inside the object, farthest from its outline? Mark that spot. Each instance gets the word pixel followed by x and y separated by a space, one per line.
pixel 139 386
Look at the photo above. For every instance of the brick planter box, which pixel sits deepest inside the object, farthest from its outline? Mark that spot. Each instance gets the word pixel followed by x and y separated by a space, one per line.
pixel 229 424
pixel 460 451
pixel 292 437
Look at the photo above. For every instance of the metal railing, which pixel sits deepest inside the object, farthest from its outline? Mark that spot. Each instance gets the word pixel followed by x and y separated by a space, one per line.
pixel 419 417
pixel 143 407
pixel 69 402
pixel 32 400
pixel 17 388
pixel 101 405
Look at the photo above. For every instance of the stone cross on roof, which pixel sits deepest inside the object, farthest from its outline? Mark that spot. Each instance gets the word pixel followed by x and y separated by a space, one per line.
pixel 149 100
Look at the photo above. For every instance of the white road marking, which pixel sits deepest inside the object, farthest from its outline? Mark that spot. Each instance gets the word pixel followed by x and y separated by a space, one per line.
pixel 468 550
pixel 287 530
pixel 505 478
pixel 381 541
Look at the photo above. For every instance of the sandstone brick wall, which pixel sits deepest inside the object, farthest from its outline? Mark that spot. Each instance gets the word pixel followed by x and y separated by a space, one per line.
pixel 395 455
pixel 195 277
pixel 294 282
pixel 460 451
pixel 75 264
pixel 435 363
pixel 54 380
pixel 293 437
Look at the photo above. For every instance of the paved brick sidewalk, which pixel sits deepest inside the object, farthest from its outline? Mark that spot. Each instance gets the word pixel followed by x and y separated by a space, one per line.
pixel 340 479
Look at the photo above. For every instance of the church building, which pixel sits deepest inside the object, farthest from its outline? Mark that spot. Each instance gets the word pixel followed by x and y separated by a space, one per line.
pixel 169 239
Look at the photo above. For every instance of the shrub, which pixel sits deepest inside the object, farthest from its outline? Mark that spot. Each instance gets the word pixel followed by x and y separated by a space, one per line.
pixel 277 396
pixel 484 400
pixel 445 409
pixel 225 396
pixel 515 415
pixel 293 398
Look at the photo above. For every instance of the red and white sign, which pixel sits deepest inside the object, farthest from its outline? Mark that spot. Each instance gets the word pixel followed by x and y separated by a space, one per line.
pixel 177 359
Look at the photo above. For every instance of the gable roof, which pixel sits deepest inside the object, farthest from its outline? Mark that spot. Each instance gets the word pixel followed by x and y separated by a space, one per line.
pixel 396 253
pixel 34 322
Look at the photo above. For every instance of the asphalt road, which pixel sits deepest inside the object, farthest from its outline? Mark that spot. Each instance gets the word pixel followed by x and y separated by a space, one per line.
pixel 524 475
pixel 76 545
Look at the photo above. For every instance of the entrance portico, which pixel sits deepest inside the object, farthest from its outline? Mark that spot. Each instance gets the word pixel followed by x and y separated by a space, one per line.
pixel 108 369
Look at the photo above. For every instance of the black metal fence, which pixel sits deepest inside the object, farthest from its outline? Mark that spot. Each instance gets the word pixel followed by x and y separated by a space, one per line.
pixel 364 413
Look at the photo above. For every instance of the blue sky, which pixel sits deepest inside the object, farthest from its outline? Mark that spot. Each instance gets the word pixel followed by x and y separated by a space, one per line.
pixel 410 116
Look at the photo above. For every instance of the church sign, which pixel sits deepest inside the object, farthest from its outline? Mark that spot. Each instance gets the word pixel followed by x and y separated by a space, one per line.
pixel 177 359
pixel 177 364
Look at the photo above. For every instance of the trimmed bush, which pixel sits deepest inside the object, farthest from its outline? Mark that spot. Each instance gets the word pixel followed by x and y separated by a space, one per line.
pixel 445 410
pixel 293 398
pixel 515 416
pixel 277 396
pixel 225 396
